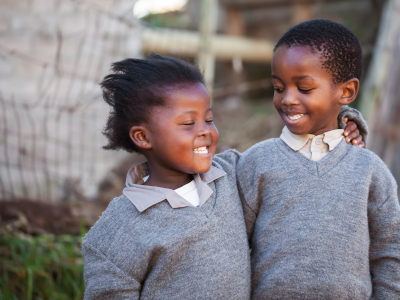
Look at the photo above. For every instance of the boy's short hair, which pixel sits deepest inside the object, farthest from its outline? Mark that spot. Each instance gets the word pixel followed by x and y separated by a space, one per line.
pixel 135 87
pixel 340 48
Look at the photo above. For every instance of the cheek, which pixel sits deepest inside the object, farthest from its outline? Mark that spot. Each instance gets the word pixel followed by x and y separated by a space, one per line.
pixel 214 138
pixel 215 134
pixel 317 107
pixel 277 101
pixel 184 137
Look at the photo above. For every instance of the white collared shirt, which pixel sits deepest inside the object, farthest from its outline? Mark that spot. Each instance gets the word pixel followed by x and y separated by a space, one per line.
pixel 144 196
pixel 187 191
pixel 314 147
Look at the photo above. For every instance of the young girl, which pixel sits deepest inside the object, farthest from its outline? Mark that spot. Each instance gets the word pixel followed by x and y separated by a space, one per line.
pixel 178 231
pixel 194 244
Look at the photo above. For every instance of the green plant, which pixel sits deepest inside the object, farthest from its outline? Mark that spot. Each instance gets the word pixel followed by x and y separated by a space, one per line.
pixel 40 267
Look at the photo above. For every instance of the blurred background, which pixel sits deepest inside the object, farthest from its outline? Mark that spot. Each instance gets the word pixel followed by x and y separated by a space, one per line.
pixel 55 179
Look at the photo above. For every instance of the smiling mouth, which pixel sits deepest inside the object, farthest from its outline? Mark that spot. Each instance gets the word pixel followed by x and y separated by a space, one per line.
pixel 295 117
pixel 201 150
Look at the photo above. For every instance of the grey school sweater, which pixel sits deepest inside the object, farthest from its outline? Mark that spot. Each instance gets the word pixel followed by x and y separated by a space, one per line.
pixel 320 230
pixel 166 253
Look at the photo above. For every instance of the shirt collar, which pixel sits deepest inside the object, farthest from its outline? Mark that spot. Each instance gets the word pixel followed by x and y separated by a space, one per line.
pixel 296 142
pixel 144 196
pixel 333 138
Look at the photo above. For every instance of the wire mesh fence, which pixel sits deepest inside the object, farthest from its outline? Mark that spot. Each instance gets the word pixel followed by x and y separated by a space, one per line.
pixel 53 54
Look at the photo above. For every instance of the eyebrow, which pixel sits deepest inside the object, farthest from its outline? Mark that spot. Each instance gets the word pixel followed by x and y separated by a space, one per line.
pixel 300 77
pixel 192 112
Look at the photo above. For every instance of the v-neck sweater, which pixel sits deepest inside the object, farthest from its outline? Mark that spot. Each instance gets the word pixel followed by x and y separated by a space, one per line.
pixel 172 253
pixel 320 230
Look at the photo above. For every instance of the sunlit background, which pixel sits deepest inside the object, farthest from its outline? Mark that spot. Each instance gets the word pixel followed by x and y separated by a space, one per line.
pixel 144 8
pixel 55 179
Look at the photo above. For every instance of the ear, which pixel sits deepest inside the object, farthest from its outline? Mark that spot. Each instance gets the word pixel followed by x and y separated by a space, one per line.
pixel 139 135
pixel 349 91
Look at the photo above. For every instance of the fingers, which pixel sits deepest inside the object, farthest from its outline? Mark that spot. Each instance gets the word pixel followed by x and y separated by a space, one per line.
pixel 353 136
pixel 357 140
pixel 351 126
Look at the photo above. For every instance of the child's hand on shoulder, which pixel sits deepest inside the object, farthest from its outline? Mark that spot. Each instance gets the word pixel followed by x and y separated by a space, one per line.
pixel 352 134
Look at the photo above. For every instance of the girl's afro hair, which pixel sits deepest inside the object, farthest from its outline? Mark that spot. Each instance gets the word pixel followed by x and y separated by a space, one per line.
pixel 135 87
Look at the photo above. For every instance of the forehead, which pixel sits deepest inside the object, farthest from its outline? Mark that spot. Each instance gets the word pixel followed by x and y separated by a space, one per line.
pixel 181 100
pixel 297 56
pixel 182 95
pixel 296 61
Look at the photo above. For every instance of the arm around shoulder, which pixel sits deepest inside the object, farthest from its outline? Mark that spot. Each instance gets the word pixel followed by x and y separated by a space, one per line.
pixel 250 183
pixel 227 160
pixel 104 280
pixel 354 115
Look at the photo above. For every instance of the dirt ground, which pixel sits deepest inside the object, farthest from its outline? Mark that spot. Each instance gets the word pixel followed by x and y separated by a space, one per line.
pixel 36 217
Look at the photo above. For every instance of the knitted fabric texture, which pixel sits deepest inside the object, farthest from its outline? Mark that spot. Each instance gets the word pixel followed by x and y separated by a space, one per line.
pixel 165 253
pixel 354 115
pixel 320 230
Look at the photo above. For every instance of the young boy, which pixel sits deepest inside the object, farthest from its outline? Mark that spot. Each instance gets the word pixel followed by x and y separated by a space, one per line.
pixel 178 231
pixel 313 238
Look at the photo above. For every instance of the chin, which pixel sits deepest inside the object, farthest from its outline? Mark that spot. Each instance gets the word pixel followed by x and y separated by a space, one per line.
pixel 296 130
pixel 203 169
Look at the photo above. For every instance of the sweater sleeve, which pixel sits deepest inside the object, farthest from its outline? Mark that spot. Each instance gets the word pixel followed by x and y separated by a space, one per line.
pixel 384 228
pixel 353 115
pixel 104 280
pixel 229 160
pixel 251 185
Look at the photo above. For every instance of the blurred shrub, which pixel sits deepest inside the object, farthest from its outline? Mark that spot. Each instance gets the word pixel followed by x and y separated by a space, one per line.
pixel 40 267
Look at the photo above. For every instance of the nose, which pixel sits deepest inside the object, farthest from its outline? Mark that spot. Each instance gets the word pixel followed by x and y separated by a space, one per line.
pixel 290 98
pixel 204 131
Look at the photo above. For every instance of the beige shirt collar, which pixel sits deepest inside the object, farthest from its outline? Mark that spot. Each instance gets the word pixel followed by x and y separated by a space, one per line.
pixel 296 142
pixel 144 196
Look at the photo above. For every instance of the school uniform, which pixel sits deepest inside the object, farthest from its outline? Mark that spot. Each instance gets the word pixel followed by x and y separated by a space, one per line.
pixel 323 217
pixel 151 243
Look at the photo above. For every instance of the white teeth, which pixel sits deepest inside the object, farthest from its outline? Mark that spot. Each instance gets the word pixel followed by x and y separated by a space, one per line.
pixel 201 150
pixel 295 117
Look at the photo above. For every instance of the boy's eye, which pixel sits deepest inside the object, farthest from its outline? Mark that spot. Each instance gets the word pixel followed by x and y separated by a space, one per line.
pixel 278 90
pixel 305 90
pixel 188 123
pixel 210 121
